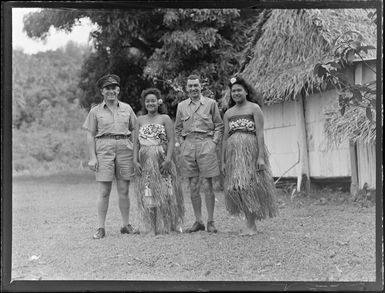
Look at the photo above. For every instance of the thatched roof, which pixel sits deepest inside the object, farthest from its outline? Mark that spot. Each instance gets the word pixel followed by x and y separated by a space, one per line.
pixel 290 43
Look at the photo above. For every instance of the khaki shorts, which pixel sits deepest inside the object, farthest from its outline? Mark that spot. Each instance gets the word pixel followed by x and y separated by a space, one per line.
pixel 115 158
pixel 199 157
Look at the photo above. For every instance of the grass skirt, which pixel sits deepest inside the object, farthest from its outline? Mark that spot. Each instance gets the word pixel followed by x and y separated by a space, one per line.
pixel 247 189
pixel 166 191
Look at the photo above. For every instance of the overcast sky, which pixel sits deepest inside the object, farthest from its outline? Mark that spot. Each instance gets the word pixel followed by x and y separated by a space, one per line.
pixel 55 40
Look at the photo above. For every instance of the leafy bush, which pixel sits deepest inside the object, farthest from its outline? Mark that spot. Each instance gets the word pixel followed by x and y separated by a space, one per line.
pixel 47 118
pixel 48 151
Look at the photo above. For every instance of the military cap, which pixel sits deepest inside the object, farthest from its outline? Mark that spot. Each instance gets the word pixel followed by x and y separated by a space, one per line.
pixel 108 79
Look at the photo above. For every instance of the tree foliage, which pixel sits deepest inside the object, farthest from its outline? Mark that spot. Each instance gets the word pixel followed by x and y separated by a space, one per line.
pixel 44 84
pixel 348 47
pixel 46 114
pixel 154 47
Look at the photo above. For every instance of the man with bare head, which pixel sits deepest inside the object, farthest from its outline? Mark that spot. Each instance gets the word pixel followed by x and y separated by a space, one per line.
pixel 199 128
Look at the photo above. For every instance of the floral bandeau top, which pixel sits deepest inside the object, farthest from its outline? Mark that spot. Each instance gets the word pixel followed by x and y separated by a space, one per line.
pixel 242 123
pixel 152 134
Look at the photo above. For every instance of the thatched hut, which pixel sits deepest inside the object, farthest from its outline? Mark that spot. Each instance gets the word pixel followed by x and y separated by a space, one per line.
pixel 280 62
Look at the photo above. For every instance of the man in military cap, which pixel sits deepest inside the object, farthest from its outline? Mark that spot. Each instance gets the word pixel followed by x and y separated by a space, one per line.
pixel 109 126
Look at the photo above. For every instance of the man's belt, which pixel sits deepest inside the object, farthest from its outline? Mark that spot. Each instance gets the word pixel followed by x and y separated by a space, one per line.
pixel 115 136
pixel 198 135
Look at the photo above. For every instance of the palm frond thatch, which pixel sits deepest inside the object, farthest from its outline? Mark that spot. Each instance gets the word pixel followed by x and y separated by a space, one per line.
pixel 293 41
pixel 352 126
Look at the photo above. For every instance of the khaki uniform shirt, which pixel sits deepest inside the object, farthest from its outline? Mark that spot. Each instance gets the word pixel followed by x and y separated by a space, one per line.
pixel 200 117
pixel 101 120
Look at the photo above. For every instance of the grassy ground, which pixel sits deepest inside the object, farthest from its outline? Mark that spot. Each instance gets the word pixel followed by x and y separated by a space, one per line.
pixel 321 237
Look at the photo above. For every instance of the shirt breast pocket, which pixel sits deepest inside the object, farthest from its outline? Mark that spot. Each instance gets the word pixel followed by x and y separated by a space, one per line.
pixel 103 120
pixel 123 121
pixel 206 120
pixel 124 118
pixel 186 121
pixel 205 116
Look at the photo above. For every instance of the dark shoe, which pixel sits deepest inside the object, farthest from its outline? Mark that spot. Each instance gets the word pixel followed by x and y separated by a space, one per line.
pixel 128 229
pixel 100 233
pixel 211 227
pixel 197 226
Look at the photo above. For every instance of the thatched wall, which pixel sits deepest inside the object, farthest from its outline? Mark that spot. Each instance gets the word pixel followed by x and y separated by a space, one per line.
pixel 354 124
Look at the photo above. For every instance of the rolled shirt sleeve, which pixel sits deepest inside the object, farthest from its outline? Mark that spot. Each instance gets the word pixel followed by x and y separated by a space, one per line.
pixel 218 124
pixel 133 118
pixel 90 124
pixel 178 124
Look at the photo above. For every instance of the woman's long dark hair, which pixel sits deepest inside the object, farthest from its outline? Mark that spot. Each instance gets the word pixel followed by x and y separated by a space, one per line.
pixel 251 95
pixel 156 92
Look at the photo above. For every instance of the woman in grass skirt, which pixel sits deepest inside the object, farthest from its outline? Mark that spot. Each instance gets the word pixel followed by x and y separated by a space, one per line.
pixel 248 185
pixel 159 193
